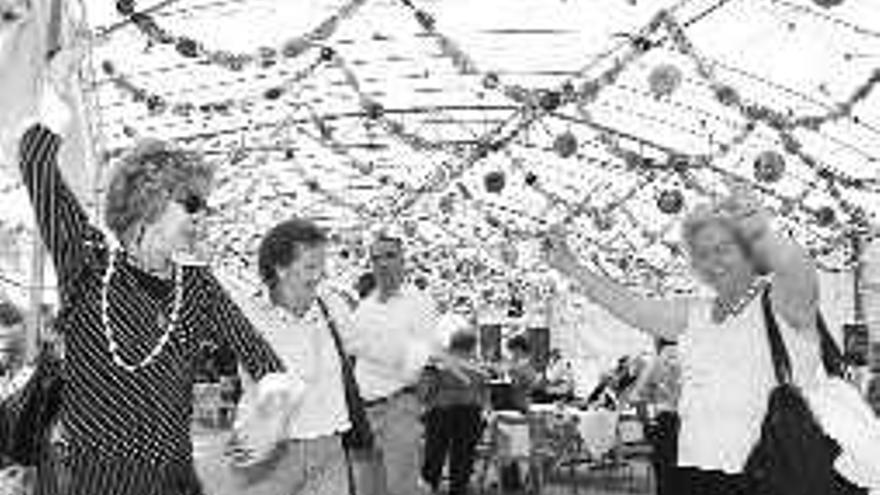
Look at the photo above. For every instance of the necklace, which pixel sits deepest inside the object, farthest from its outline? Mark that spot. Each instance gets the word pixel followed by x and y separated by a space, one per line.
pixel 724 310
pixel 169 323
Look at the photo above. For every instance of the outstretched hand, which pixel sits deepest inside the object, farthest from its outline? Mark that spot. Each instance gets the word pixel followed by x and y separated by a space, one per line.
pixel 20 61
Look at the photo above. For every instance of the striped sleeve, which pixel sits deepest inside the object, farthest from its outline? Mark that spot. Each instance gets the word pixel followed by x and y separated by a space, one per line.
pixel 233 327
pixel 62 221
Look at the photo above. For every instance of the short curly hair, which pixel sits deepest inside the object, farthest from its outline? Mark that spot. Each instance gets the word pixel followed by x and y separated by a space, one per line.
pixel 146 179
pixel 283 244
pixel 723 212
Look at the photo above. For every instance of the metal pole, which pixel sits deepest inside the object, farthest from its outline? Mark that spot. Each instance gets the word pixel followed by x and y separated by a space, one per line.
pixel 38 266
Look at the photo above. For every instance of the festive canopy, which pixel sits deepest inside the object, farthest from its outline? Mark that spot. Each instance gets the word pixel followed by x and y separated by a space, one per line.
pixel 470 126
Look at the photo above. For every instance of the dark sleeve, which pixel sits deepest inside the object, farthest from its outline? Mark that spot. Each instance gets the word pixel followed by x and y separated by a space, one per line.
pixel 62 222
pixel 232 327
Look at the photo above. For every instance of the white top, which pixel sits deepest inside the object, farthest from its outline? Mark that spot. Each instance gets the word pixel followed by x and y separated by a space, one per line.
pixel 393 341
pixel 306 347
pixel 727 376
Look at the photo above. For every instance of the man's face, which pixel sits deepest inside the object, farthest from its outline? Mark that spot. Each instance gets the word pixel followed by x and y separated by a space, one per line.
pixel 387 259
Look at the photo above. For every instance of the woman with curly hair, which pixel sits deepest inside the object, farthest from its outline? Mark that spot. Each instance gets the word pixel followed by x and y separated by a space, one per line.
pixel 132 315
pixel 727 371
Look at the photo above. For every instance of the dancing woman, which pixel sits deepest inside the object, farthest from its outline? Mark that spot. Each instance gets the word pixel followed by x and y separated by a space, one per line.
pixel 727 372
pixel 132 317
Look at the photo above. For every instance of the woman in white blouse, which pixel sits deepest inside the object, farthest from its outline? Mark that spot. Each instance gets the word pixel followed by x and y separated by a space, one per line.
pixel 727 372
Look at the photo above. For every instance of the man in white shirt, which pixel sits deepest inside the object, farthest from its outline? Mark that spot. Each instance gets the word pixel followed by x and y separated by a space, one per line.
pixel 394 338
pixel 310 458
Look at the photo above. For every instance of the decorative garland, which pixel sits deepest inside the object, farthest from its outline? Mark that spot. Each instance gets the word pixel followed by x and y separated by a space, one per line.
pixel 264 57
pixel 157 104
pixel 538 104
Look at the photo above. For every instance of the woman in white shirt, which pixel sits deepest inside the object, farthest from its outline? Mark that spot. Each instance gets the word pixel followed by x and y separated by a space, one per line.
pixel 727 372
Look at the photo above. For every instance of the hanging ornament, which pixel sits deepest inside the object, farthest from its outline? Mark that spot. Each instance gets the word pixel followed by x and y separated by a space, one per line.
pixel 566 144
pixel 509 254
pixel 769 166
pixel 603 220
pixel 494 182
pixel 670 201
pixel 447 204
pixel 664 80
pixel 825 216
pixel 410 228
pixel 550 101
pixel 491 81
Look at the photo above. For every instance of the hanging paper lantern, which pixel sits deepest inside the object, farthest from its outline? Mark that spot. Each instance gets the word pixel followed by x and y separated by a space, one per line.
pixel 550 101
pixel 565 145
pixel 491 81
pixel 494 182
pixel 664 80
pixel 590 90
pixel 727 95
pixel 825 216
pixel 769 166
pixel 670 201
pixel 679 163
pixel 410 228
pixel 447 204
pixel 509 254
pixel 603 220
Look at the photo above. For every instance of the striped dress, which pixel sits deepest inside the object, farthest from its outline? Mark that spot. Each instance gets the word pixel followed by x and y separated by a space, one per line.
pixel 128 433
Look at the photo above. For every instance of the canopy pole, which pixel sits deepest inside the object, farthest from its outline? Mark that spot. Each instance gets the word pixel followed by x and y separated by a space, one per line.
pixel 38 267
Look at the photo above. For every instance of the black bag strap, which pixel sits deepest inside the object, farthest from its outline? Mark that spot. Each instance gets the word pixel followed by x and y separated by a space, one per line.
pixel 781 360
pixel 832 357
pixel 345 361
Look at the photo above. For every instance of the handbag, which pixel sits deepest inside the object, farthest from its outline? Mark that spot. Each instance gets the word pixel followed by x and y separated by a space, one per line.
pixel 27 414
pixel 360 436
pixel 794 456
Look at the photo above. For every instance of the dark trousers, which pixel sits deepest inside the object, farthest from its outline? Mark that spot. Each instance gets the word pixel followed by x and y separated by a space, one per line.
pixel 451 432
pixel 663 435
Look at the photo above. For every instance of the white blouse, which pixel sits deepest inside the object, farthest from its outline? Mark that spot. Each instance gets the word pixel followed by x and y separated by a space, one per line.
pixel 727 375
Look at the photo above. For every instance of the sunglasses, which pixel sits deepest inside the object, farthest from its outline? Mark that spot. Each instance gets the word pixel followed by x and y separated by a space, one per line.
pixel 193 203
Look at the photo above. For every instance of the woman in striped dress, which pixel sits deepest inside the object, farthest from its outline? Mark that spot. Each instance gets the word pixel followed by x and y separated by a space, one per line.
pixel 132 317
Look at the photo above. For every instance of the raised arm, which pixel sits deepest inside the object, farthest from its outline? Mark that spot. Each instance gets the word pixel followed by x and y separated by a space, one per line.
pixel 62 222
pixel 231 325
pixel 666 319
pixel 795 282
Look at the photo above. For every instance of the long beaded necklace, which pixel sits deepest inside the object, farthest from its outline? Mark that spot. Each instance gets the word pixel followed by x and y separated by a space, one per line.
pixel 170 324
pixel 723 311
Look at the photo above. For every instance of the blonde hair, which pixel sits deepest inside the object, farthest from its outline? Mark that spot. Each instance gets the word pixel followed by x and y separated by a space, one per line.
pixel 146 179
pixel 725 211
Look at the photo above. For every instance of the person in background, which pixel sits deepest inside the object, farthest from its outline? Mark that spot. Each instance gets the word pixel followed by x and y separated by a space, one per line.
pixel 454 420
pixel 394 337
pixel 659 386
pixel 522 373
pixel 558 379
pixel 298 323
